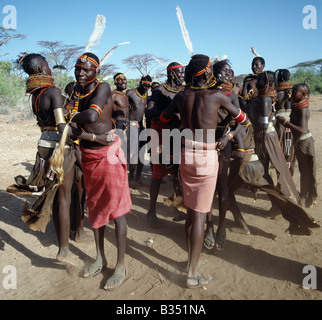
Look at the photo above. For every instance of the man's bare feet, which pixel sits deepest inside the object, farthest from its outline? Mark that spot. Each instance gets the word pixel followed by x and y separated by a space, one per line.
pixel 66 256
pixel 83 236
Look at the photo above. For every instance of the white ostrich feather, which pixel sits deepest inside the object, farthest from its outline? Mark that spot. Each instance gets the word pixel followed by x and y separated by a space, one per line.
pixel 184 31
pixel 160 62
pixel 252 49
pixel 108 54
pixel 216 59
pixel 97 33
pixel 129 69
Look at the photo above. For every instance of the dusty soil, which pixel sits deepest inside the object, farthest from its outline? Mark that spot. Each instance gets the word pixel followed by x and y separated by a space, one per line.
pixel 266 265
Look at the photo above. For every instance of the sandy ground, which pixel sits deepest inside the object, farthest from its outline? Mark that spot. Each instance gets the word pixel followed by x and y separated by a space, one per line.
pixel 266 265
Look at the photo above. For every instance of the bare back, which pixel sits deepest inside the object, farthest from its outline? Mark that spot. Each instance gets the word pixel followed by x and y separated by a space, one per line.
pixel 199 110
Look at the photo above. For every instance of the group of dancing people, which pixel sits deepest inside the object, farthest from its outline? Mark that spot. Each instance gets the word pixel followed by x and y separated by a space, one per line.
pixel 230 136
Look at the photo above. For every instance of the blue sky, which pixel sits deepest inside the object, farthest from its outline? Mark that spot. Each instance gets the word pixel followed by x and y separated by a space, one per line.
pixel 274 28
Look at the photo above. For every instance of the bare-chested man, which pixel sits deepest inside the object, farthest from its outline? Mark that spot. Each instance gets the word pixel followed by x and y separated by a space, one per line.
pixel 138 101
pixel 104 167
pixel 249 87
pixel 198 107
pixel 120 102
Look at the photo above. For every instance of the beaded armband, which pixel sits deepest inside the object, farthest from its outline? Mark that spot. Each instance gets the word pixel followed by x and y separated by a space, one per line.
pixel 97 109
pixel 241 118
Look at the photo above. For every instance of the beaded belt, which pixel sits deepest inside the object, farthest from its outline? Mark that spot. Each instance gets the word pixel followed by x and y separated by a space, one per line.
pixel 305 136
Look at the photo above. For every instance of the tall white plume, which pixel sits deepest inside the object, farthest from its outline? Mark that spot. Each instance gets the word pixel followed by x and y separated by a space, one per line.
pixel 160 62
pixel 184 31
pixel 252 49
pixel 108 54
pixel 97 33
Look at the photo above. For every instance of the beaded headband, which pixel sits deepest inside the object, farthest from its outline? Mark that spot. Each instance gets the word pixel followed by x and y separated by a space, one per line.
pixel 203 70
pixel 120 75
pixel 174 67
pixel 83 58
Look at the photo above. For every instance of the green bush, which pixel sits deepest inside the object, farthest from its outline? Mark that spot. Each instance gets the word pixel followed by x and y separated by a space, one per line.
pixel 12 90
pixel 311 77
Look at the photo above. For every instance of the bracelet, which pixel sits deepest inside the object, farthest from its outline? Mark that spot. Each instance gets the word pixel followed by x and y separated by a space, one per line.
pixel 230 135
pixel 284 123
pixel 241 150
pixel 93 137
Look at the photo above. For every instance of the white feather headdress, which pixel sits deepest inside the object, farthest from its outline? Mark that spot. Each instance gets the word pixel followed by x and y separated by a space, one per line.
pixel 184 31
pixel 252 49
pixel 216 59
pixel 160 62
pixel 108 54
pixel 97 33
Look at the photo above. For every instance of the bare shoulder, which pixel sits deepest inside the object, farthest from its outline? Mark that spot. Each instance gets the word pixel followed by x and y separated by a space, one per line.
pixel 54 91
pixel 104 86
pixel 130 92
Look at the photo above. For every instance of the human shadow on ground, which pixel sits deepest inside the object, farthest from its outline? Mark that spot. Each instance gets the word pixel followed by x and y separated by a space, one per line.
pixel 10 214
pixel 265 264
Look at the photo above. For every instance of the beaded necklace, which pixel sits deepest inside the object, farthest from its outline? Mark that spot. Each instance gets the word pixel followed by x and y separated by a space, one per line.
pixel 119 92
pixel 207 85
pixel 38 81
pixel 284 86
pixel 73 103
pixel 139 95
pixel 301 105
pixel 82 96
pixel 169 88
pixel 227 87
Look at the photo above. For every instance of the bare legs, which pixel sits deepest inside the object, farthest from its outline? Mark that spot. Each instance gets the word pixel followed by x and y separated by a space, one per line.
pixel 120 272
pixel 194 229
pixel 61 218
pixel 152 218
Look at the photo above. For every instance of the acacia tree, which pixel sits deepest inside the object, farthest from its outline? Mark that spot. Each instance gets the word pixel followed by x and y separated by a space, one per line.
pixel 6 36
pixel 313 64
pixel 144 63
pixel 62 55
pixel 309 72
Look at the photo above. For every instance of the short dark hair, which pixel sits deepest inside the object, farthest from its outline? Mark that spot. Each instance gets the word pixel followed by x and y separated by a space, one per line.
pixel 283 75
pixel 302 87
pixel 261 59
pixel 29 62
pixel 196 64
pixel 146 78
